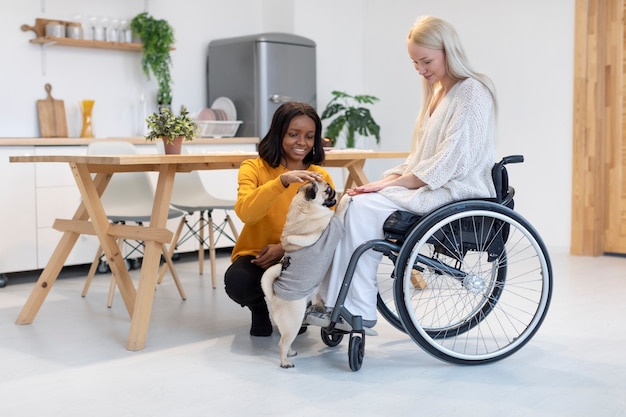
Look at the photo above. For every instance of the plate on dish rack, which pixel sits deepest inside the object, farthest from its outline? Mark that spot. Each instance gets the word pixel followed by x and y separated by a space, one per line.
pixel 218 128
pixel 227 105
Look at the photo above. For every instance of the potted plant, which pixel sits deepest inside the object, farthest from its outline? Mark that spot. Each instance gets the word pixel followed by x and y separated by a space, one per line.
pixel 350 117
pixel 171 128
pixel 157 37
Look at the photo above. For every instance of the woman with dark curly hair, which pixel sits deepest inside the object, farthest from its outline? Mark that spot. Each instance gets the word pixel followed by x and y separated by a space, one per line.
pixel 289 155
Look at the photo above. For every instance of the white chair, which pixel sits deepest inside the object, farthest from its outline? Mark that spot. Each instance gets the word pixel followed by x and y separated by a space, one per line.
pixel 191 196
pixel 128 198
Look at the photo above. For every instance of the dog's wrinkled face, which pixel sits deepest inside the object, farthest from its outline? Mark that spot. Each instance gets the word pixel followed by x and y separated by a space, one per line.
pixel 321 191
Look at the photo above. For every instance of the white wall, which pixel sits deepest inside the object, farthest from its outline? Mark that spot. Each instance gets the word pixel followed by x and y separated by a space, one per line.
pixel 113 78
pixel 526 47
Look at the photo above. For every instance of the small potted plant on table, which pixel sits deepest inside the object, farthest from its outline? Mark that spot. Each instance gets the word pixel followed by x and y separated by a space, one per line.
pixel 171 128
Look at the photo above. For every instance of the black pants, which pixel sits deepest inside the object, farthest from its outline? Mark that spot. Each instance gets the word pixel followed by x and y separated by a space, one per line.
pixel 242 282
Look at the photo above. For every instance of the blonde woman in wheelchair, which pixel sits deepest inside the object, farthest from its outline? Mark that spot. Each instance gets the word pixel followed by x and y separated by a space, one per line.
pixel 452 158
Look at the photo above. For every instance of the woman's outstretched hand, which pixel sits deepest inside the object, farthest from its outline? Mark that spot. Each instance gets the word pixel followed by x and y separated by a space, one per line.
pixel 372 187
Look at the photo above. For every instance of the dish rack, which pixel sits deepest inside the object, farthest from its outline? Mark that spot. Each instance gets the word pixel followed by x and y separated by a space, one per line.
pixel 218 128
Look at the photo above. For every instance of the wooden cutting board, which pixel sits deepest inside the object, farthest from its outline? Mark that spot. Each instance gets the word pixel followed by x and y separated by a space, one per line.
pixel 52 122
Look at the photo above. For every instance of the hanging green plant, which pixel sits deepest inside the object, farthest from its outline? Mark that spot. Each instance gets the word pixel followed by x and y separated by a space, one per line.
pixel 157 37
pixel 350 117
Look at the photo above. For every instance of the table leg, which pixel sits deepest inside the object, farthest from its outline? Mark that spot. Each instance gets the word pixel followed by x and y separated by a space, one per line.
pixel 152 257
pixel 57 260
pixel 356 175
pixel 47 278
pixel 115 259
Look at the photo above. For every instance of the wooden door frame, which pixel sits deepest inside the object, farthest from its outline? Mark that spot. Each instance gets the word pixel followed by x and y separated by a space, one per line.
pixel 598 70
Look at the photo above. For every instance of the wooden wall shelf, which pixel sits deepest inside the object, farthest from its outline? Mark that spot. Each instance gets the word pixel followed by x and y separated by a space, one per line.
pixel 120 46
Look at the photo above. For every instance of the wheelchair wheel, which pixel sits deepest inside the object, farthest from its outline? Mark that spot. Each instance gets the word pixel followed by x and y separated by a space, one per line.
pixel 356 352
pixel 484 282
pixel 385 301
pixel 331 339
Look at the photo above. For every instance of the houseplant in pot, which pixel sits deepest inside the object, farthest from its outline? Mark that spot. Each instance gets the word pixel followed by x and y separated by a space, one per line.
pixel 157 37
pixel 171 128
pixel 350 117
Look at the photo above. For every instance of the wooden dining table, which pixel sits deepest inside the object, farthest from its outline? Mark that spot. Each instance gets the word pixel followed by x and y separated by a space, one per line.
pixel 90 218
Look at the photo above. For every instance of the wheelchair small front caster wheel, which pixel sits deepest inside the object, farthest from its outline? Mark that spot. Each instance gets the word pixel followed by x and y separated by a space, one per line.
pixel 3 280
pixel 356 352
pixel 331 339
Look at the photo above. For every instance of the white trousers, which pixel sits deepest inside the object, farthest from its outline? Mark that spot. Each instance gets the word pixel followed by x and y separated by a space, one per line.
pixel 364 221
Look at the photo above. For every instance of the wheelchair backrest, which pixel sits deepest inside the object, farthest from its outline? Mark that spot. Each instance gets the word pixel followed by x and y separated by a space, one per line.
pixel 500 176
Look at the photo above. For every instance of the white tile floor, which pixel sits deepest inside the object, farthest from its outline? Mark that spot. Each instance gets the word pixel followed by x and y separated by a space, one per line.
pixel 200 360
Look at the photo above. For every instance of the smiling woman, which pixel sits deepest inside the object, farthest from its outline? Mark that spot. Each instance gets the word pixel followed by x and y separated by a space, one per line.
pixel 290 154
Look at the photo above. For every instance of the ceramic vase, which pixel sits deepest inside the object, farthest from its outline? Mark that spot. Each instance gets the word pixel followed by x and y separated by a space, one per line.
pixel 86 107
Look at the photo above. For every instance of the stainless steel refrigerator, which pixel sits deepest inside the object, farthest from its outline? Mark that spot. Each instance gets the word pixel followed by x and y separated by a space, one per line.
pixel 260 72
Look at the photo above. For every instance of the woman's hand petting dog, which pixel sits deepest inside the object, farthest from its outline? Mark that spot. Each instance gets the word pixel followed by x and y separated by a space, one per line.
pixel 269 255
pixel 298 176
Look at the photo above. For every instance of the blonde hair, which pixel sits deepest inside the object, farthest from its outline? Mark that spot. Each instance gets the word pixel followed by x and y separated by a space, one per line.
pixel 435 33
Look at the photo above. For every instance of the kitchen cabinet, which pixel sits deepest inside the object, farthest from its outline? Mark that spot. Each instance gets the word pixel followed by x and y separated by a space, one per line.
pixel 18 230
pixel 58 197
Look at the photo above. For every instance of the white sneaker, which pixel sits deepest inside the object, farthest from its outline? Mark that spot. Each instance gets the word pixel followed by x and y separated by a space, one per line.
pixel 343 325
pixel 316 318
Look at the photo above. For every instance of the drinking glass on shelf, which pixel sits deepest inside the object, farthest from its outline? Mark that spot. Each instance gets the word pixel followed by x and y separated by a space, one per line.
pixel 113 30
pixel 99 30
pixel 89 25
pixel 74 28
pixel 125 26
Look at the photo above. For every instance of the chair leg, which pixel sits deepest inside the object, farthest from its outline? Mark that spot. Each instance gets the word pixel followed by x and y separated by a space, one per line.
pixel 232 226
pixel 172 247
pixel 201 247
pixel 112 285
pixel 92 271
pixel 212 251
pixel 170 264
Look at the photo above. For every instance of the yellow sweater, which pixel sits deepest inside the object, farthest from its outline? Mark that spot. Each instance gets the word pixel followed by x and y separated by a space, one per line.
pixel 262 204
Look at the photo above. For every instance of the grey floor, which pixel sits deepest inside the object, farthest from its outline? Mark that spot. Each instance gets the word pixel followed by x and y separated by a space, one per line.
pixel 200 360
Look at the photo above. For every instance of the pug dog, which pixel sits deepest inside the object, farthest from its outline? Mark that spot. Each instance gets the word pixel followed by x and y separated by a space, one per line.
pixel 310 235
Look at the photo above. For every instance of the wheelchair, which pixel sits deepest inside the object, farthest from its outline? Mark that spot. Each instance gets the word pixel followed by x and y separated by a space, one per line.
pixel 470 283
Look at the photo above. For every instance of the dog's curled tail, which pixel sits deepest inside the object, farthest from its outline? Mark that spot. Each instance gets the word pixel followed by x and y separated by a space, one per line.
pixel 268 278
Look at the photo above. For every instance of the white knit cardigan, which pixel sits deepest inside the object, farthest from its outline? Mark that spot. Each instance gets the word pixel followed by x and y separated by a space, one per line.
pixel 453 153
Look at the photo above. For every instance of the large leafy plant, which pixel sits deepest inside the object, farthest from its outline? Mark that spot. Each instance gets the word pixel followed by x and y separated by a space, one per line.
pixel 350 117
pixel 165 124
pixel 157 37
